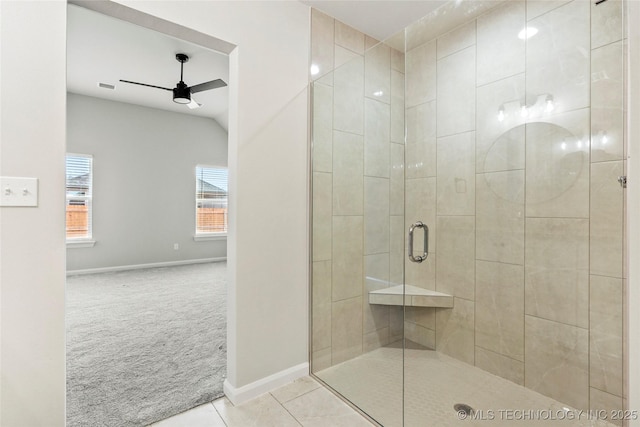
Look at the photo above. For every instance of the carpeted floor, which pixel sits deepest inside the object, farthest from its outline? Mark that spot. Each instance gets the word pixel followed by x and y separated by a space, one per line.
pixel 143 345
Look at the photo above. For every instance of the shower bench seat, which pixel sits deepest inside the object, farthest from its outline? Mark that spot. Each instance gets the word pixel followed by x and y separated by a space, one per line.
pixel 410 296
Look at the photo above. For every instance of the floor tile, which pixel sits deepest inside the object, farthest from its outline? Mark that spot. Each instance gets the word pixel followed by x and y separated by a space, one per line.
pixel 295 389
pixel 200 416
pixel 263 411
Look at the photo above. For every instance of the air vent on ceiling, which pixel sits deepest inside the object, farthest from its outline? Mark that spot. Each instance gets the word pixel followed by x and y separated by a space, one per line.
pixel 106 86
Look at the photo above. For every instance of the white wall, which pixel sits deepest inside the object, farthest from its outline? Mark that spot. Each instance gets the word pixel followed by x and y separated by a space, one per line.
pixel 144 181
pixel 268 244
pixel 32 266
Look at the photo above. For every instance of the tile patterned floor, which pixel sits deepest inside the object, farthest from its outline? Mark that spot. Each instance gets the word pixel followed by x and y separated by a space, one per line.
pixel 434 383
pixel 303 402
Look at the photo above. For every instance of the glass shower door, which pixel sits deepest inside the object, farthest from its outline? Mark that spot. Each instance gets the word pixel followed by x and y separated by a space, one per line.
pixel 514 153
pixel 358 218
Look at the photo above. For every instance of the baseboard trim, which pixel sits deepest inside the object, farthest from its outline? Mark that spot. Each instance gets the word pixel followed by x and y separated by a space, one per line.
pixel 247 392
pixel 141 266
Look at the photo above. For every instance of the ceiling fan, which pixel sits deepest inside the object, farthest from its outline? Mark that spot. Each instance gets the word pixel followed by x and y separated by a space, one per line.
pixel 182 92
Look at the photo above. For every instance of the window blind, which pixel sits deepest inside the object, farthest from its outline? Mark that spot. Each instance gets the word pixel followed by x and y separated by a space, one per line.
pixel 211 199
pixel 79 186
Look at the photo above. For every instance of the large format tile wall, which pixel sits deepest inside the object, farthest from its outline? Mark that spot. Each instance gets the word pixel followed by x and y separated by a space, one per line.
pixel 524 207
pixel 358 154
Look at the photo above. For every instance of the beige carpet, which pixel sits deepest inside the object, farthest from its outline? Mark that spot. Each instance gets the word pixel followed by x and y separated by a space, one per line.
pixel 143 345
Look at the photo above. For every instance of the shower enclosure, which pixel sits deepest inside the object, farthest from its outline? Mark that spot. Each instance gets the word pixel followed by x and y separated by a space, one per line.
pixel 468 256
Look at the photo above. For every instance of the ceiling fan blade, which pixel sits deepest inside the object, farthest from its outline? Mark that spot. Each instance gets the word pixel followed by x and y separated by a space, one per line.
pixel 194 104
pixel 213 84
pixel 144 84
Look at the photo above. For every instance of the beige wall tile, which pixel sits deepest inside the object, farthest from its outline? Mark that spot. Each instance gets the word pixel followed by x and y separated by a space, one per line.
pixel 374 316
pixel 322 215
pixel 457 93
pixel 556 270
pixel 322 41
pixel 344 56
pixel 500 216
pixel 422 275
pixel 376 138
pixel 500 145
pixel 557 178
pixel 322 128
pixel 454 330
pixel 557 361
pixel 376 215
pixel 346 330
pixel 348 171
pixel 606 334
pixel 376 339
pixel 349 38
pixel 558 56
pixel 348 96
pixel 607 210
pixel 455 268
pixel 420 335
pixel 397 107
pixel 501 53
pixel 421 74
pixel 396 324
pixel 397 250
pixel 502 366
pixel 321 305
pixel 396 173
pixel 536 8
pixel 607 25
pixel 500 308
pixel 607 102
pixel 423 316
pixel 369 42
pixel 421 141
pixel 456 40
pixel 456 175
pixel 347 267
pixel 397 60
pixel 321 360
pixel 377 73
pixel 609 403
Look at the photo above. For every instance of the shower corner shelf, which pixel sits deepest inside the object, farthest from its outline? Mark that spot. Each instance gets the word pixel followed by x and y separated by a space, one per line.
pixel 410 296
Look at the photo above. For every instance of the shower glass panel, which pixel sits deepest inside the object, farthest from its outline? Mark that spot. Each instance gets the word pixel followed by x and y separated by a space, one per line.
pixel 498 127
pixel 358 218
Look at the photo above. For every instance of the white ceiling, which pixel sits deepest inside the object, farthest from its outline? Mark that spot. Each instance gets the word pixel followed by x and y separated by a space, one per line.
pixel 101 49
pixel 379 19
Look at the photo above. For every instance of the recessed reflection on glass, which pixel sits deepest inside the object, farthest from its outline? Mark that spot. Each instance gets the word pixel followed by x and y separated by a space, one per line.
pixel 314 69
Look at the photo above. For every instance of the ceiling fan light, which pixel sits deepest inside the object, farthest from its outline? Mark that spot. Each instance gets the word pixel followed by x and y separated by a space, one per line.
pixel 181 94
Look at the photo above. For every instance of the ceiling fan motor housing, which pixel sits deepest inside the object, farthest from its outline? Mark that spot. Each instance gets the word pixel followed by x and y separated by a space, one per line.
pixel 181 93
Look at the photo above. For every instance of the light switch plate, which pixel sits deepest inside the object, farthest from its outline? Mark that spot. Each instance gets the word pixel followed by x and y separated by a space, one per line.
pixel 16 191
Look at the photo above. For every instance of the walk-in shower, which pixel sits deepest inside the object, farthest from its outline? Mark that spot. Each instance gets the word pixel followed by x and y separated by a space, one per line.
pixel 495 131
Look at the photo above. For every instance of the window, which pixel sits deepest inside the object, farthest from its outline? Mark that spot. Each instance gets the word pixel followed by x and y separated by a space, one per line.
pixel 211 200
pixel 79 194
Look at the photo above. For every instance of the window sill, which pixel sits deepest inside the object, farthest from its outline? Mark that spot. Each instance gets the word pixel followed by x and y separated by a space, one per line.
pixel 212 236
pixel 80 243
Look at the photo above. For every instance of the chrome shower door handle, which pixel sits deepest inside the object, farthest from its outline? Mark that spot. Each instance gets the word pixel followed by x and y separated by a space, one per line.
pixel 425 251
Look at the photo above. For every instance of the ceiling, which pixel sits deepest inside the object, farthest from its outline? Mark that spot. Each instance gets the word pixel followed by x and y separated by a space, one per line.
pixel 102 49
pixel 379 19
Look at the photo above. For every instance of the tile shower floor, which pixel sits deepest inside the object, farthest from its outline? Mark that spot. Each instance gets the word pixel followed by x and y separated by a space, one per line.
pixel 434 383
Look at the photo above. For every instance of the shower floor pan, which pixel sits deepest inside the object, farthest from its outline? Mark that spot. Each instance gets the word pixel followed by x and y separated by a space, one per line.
pixel 433 384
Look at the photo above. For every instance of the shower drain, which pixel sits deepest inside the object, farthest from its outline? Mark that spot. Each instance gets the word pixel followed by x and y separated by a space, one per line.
pixel 463 410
